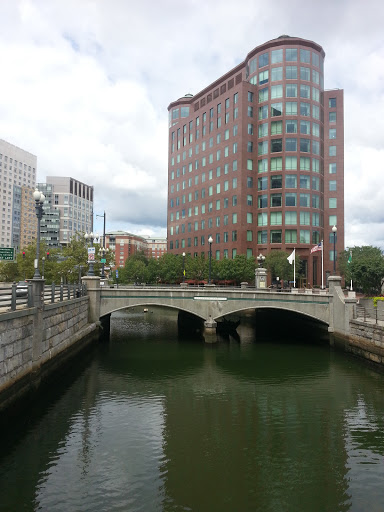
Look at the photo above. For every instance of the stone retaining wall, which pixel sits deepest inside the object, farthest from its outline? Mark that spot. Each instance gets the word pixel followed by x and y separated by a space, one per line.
pixel 34 341
pixel 366 340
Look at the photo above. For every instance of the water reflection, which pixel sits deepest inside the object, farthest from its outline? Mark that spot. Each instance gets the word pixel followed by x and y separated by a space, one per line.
pixel 158 423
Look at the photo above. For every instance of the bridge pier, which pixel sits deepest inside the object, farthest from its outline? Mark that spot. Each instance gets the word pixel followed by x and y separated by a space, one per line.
pixel 210 330
pixel 93 290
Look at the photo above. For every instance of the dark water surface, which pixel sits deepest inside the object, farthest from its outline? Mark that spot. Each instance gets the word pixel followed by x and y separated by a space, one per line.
pixel 148 423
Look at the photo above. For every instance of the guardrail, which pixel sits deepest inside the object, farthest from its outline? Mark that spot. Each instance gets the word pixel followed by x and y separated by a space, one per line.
pixel 11 298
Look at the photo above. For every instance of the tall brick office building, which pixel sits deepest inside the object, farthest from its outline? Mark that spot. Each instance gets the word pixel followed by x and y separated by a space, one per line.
pixel 256 160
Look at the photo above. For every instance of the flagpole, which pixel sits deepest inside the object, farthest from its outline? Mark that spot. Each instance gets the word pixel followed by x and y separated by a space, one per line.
pixel 294 267
pixel 322 264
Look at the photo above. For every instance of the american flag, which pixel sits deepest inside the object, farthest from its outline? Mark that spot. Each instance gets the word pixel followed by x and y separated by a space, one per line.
pixel 316 248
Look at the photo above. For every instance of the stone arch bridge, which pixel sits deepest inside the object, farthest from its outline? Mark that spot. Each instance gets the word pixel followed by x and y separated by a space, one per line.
pixel 211 303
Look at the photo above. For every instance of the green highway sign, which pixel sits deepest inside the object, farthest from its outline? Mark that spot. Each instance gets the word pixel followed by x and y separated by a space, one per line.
pixel 7 253
pixel 103 260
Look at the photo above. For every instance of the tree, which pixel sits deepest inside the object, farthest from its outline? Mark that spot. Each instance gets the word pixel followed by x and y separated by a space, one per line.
pixel 276 262
pixel 243 269
pixel 366 268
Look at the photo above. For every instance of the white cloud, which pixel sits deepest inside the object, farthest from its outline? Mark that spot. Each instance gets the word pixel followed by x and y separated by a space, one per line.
pixel 86 84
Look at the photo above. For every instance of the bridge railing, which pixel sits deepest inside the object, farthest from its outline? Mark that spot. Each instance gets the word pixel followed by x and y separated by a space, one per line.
pixel 12 298
pixel 246 286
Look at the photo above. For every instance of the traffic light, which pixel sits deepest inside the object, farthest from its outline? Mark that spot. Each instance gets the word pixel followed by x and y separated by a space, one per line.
pixel 48 255
pixel 23 255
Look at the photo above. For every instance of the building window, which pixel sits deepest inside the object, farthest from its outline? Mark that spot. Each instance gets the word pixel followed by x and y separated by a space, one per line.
pixel 332 168
pixel 332 117
pixel 290 236
pixel 263 95
pixel 262 165
pixel 263 60
pixel 276 56
pixel 304 182
pixel 276 75
pixel 290 125
pixel 332 202
pixel 262 237
pixel 291 162
pixel 291 144
pixel 290 218
pixel 262 183
pixel 290 108
pixel 332 150
pixel 332 133
pixel 291 91
pixel 276 145
pixel 276 200
pixel 263 77
pixel 291 54
pixel 262 219
pixel 332 222
pixel 263 147
pixel 332 186
pixel 305 219
pixel 290 199
pixel 276 181
pixel 305 56
pixel 262 201
pixel 290 181
pixel 263 112
pixel 332 103
pixel 276 128
pixel 263 130
pixel 276 218
pixel 276 236
pixel 305 236
pixel 291 72
pixel 276 163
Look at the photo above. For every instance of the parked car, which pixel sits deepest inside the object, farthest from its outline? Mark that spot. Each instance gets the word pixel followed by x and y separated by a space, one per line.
pixel 22 289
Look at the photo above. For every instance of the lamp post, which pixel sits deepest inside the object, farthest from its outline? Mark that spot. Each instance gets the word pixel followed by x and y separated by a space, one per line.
pixel 102 248
pixel 39 201
pixel 334 230
pixel 43 260
pixel 183 267
pixel 260 259
pixel 210 240
pixel 91 255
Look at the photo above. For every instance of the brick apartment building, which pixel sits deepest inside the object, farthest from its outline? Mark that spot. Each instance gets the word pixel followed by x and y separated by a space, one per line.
pixel 256 160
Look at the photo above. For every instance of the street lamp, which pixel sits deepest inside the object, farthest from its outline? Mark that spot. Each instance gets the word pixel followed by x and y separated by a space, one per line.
pixel 334 230
pixel 43 260
pixel 91 255
pixel 39 201
pixel 183 267
pixel 210 240
pixel 102 248
pixel 260 259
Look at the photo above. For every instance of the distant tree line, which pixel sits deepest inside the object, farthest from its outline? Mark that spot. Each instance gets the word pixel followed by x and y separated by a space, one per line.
pixel 363 265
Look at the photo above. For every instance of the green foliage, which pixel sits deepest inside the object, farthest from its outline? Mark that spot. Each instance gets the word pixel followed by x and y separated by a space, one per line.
pixel 278 265
pixel 366 268
pixel 376 299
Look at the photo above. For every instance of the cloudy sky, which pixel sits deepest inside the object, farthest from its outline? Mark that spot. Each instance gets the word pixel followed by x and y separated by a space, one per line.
pixel 85 86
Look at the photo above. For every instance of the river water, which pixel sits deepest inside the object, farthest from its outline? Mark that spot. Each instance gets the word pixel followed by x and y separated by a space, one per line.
pixel 149 422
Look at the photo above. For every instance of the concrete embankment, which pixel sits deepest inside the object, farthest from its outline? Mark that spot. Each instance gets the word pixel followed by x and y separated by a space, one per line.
pixel 35 341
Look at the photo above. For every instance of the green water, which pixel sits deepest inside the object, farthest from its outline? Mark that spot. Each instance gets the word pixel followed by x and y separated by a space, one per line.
pixel 149 422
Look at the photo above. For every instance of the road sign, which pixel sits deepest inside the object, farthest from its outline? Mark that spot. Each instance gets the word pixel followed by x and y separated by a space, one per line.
pixel 117 273
pixel 91 254
pixel 7 253
pixel 103 260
